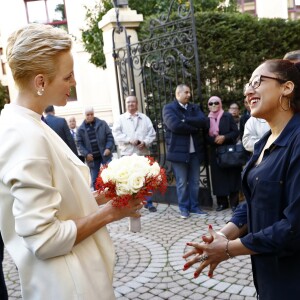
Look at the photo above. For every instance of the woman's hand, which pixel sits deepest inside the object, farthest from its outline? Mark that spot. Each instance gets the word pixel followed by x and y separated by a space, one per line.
pixel 100 198
pixel 104 215
pixel 118 213
pixel 209 253
pixel 219 139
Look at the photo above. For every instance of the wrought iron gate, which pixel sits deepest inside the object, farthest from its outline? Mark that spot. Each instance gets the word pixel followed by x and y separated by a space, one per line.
pixel 152 68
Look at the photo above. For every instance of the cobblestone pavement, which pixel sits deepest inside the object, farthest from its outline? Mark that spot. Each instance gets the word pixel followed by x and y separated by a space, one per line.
pixel 149 264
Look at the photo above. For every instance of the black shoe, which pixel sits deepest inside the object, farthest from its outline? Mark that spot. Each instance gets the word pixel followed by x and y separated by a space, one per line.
pixel 221 207
pixel 152 209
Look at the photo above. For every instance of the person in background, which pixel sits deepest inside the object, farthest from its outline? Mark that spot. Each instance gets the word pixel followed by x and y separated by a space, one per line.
pixel 60 126
pixel 255 128
pixel 134 133
pixel 266 226
pixel 3 289
pixel 183 122
pixel 95 142
pixel 52 225
pixel 73 130
pixel 293 56
pixel 244 117
pixel 234 109
pixel 222 131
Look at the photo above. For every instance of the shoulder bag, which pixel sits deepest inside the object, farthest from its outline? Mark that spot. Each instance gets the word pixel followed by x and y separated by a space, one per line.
pixel 230 156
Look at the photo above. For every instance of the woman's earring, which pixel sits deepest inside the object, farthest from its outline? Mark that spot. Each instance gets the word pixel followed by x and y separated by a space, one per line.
pixel 40 92
pixel 289 104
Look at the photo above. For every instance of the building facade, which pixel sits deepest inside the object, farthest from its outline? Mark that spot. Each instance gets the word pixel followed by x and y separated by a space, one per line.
pixel 92 87
pixel 95 86
pixel 271 8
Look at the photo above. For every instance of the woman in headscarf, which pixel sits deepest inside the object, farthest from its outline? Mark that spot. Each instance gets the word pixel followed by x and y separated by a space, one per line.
pixel 222 130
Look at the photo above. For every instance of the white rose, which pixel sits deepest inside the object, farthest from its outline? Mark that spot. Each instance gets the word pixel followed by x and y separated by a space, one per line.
pixel 122 189
pixel 105 175
pixel 136 181
pixel 121 175
pixel 141 164
pixel 154 169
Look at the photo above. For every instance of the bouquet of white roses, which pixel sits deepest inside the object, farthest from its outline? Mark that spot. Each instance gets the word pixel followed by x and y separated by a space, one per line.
pixel 130 176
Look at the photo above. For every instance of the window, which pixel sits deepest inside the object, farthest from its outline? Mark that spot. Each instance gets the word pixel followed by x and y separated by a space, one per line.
pixel 47 12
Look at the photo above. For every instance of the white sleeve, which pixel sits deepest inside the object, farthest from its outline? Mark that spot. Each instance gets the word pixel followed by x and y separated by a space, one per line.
pixel 250 136
pixel 151 134
pixel 119 134
pixel 36 209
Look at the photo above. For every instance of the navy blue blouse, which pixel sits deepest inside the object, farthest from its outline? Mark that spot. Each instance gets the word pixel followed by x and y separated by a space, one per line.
pixel 272 213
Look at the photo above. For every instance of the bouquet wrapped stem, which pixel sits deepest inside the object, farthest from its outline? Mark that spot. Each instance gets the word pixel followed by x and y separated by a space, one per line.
pixel 135 224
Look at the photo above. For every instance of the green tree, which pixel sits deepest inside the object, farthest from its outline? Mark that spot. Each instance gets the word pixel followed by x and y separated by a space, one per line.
pixel 232 45
pixel 61 9
pixel 215 5
pixel 92 36
pixel 3 96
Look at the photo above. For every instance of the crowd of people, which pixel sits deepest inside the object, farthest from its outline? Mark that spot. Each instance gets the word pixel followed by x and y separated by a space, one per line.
pixel 53 223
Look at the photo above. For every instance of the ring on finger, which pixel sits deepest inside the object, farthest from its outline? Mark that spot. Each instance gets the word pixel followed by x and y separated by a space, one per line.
pixel 202 258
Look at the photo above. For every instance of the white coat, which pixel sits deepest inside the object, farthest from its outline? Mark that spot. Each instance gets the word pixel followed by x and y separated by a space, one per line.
pixel 43 185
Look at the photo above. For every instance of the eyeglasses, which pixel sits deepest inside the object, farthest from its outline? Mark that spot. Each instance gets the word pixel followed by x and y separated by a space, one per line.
pixel 213 103
pixel 256 81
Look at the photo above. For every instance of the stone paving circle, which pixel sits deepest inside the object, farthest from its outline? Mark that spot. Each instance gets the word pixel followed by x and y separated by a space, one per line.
pixel 149 263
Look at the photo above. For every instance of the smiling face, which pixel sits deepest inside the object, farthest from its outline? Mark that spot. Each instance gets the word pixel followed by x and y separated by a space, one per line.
pixel 57 91
pixel 263 100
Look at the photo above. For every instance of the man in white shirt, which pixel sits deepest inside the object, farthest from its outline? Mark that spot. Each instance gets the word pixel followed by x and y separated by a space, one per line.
pixel 255 128
pixel 134 133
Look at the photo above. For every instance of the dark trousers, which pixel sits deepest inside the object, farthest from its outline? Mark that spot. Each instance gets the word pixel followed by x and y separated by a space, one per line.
pixel 94 169
pixel 3 290
pixel 233 200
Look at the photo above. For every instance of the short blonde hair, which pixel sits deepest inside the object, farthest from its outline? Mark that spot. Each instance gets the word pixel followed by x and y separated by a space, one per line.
pixel 34 49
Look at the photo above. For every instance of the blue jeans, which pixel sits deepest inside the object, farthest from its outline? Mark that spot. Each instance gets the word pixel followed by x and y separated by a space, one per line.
pixel 187 183
pixel 94 170
pixel 149 201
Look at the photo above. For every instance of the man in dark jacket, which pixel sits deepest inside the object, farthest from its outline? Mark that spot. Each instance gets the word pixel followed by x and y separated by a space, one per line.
pixel 183 122
pixel 95 142
pixel 60 126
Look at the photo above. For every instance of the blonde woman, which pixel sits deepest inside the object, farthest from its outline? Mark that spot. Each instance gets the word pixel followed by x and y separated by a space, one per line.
pixel 50 222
